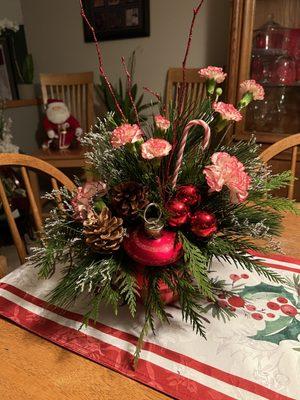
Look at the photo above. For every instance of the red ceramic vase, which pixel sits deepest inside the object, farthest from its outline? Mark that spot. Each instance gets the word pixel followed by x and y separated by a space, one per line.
pixel 166 294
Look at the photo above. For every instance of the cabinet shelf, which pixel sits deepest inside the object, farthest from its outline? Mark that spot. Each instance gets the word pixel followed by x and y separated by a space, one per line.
pixel 22 103
pixel 276 85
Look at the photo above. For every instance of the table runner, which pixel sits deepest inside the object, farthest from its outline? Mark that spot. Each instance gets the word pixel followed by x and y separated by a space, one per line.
pixel 253 356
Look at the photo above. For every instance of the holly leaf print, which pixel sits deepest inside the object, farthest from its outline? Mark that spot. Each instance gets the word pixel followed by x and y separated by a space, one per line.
pixel 267 292
pixel 284 328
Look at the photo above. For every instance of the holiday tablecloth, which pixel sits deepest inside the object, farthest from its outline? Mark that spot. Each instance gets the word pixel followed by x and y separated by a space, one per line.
pixel 253 356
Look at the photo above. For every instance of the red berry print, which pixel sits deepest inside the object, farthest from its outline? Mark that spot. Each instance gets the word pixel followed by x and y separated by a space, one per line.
pixel 236 301
pixel 222 303
pixel 282 300
pixel 257 316
pixel 273 306
pixel 222 296
pixel 232 308
pixel 271 315
pixel 250 307
pixel 245 276
pixel 234 277
pixel 289 310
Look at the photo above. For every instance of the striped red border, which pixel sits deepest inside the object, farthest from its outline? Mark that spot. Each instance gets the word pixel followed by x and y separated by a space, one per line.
pixel 169 354
pixel 101 352
pixel 278 258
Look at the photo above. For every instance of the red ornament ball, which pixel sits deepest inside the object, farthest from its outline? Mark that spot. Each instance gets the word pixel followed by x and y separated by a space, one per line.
pixel 150 251
pixel 188 195
pixel 203 224
pixel 179 213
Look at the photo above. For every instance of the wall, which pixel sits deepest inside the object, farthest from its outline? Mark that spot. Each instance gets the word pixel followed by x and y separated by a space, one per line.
pixel 55 37
pixel 11 9
pixel 25 119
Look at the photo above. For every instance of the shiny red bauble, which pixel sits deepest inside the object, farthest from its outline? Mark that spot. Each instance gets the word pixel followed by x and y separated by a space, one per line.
pixel 150 251
pixel 203 224
pixel 179 213
pixel 188 195
pixel 167 295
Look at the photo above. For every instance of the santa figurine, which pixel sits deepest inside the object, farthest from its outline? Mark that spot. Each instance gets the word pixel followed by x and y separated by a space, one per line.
pixel 61 127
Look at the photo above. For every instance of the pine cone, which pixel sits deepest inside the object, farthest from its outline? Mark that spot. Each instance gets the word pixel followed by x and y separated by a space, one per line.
pixel 104 233
pixel 128 198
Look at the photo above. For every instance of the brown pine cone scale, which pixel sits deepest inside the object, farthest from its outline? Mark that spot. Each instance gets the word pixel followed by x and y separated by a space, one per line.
pixel 129 198
pixel 103 232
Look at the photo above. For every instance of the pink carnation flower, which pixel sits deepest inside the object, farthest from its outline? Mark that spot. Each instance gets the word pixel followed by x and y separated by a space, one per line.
pixel 251 86
pixel 227 111
pixel 81 203
pixel 162 122
pixel 229 171
pixel 154 148
pixel 125 133
pixel 215 73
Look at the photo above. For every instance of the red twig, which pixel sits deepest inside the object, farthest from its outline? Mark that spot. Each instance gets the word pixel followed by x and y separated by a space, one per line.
pixel 181 93
pixel 158 97
pixel 187 50
pixel 101 69
pixel 155 94
pixel 129 87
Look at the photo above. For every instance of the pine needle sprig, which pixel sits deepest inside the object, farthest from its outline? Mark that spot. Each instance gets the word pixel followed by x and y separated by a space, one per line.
pixel 219 312
pixel 197 264
pixel 128 288
pixel 191 310
pixel 246 261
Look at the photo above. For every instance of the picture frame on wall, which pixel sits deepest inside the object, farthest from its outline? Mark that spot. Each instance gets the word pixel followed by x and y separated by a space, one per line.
pixel 117 19
pixel 8 86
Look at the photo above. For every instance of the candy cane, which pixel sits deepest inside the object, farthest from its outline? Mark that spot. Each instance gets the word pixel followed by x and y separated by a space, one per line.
pixel 204 144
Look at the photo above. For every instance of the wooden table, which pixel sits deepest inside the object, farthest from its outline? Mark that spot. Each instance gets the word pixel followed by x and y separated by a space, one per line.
pixel 32 368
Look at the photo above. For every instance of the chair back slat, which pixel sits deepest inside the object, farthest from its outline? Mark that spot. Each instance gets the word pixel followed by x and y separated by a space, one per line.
pixel 290 142
pixel 76 90
pixel 291 189
pixel 35 211
pixel 21 250
pixel 32 163
pixel 195 85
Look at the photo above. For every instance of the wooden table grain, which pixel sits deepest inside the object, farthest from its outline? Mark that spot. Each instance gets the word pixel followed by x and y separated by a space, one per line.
pixel 31 368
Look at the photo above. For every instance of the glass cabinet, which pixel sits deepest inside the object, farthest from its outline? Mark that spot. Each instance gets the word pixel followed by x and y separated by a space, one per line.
pixel 265 46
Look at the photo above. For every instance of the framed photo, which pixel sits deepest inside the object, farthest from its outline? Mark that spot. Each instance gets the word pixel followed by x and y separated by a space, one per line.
pixel 8 87
pixel 117 19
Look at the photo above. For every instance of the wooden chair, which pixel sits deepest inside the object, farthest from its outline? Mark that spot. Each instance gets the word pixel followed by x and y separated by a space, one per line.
pixel 291 142
pixel 76 90
pixel 32 163
pixel 195 86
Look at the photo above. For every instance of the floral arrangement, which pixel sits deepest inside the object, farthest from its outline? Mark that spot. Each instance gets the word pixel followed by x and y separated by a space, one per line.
pixel 167 198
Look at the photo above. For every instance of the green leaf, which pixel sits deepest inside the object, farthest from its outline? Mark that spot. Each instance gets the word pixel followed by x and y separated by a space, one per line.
pixel 266 291
pixel 284 328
